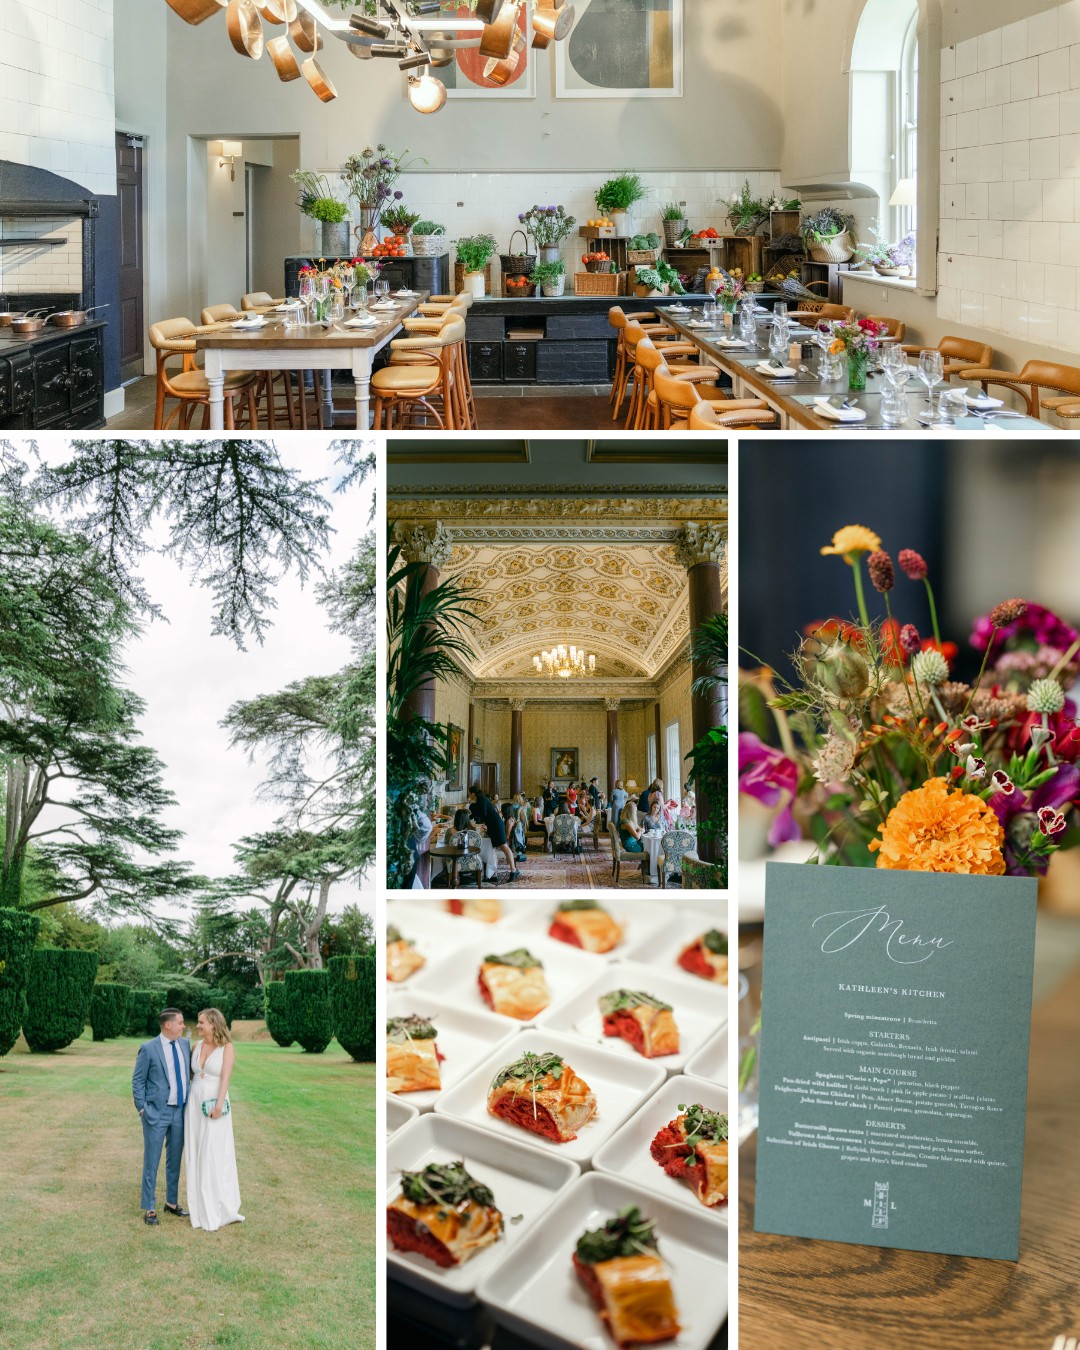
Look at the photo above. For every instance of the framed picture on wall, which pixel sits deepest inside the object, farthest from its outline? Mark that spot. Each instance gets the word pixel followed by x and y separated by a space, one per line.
pixel 468 76
pixel 622 50
pixel 564 766
pixel 455 741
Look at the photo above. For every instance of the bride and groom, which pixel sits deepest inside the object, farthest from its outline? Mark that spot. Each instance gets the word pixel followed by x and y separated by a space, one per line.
pixel 181 1095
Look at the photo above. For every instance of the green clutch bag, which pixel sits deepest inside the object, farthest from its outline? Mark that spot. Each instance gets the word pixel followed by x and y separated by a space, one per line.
pixel 211 1102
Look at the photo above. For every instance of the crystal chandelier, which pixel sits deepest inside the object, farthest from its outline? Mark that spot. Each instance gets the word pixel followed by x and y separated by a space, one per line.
pixel 565 663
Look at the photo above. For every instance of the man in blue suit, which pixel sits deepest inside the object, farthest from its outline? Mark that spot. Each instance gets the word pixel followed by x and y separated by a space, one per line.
pixel 160 1085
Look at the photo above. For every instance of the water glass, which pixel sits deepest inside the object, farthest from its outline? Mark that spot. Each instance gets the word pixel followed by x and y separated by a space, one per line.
pixel 382 288
pixel 952 406
pixel 749 1067
pixel 747 326
pixel 894 405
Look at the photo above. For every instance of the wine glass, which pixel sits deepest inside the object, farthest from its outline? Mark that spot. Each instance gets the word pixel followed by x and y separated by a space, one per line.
pixel 382 288
pixel 931 372
pixel 322 287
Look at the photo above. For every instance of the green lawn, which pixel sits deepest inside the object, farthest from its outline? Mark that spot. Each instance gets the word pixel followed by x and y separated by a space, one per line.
pixel 81 1269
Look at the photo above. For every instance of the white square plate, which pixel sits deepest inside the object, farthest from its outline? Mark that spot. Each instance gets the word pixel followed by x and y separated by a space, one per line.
pixel 455 978
pixel 522 1181
pixel 626 1154
pixel 640 920
pixel 711 1061
pixel 512 907
pixel 698 1012
pixel 663 951
pixel 619 1086
pixel 398 1114
pixel 536 1293
pixel 433 934
pixel 464 1039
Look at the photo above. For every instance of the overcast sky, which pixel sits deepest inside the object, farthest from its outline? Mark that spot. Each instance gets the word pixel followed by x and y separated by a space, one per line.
pixel 189 678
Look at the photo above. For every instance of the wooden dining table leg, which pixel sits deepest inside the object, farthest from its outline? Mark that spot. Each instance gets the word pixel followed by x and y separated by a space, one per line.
pixel 215 381
pixel 327 406
pixel 362 363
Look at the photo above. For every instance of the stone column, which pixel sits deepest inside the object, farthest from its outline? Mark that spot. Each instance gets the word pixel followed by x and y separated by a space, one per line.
pixel 702 550
pixel 658 730
pixel 517 708
pixel 612 706
pixel 428 544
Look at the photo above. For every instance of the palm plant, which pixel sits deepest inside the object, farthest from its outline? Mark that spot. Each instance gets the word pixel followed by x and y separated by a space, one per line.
pixel 709 757
pixel 424 634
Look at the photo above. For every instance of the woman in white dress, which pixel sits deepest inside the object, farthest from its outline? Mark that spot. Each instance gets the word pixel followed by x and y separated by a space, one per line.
pixel 213 1188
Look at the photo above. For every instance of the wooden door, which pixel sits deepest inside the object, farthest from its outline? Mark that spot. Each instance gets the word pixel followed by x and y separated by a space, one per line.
pixel 129 195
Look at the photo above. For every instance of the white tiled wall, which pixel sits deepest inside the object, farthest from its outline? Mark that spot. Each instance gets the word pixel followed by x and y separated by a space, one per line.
pixel 491 202
pixel 1010 180
pixel 41 268
pixel 56 88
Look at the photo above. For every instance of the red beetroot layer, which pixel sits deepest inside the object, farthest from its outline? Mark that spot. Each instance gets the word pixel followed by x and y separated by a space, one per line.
pixel 519 1111
pixel 693 960
pixel 403 1233
pixel 624 1024
pixel 587 1276
pixel 485 992
pixel 672 1152
pixel 562 932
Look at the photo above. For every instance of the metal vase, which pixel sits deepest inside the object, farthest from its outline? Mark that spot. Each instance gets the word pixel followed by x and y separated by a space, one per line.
pixel 335 238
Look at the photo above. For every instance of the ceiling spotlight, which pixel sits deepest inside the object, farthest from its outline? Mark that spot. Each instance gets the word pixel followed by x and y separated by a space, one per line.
pixel 415 62
pixel 372 27
pixel 420 7
pixel 426 93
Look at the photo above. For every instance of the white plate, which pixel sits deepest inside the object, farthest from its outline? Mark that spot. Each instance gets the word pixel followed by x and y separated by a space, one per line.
pixel 455 978
pixel 464 1038
pixel 620 1087
pixel 536 1293
pixel 686 925
pixel 711 1061
pixel 433 935
pixel 626 1154
pixel 398 1115
pixel 513 905
pixel 639 920
pixel 406 293
pixel 824 408
pixel 699 1012
pixel 522 1181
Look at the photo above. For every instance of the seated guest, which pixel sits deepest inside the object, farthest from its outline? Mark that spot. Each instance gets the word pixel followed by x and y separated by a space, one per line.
pixel 585 811
pixel 630 831
pixel 538 811
pixel 618 800
pixel 655 819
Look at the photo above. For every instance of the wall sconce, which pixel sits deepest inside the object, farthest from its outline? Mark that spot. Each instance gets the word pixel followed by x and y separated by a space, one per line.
pixel 230 151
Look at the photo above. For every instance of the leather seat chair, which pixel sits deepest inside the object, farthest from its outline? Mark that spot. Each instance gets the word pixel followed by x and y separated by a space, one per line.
pixel 188 386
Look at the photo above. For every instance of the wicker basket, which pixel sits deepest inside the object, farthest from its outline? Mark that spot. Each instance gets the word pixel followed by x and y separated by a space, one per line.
pixel 645 257
pixel 837 249
pixel 459 279
pixel 599 283
pixel 517 292
pixel 755 287
pixel 429 245
pixel 517 264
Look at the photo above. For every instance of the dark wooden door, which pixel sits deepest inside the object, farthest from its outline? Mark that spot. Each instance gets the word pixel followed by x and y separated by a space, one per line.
pixel 129 193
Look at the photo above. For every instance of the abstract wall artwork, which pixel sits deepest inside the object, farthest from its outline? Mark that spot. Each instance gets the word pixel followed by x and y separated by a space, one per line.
pixel 622 49
pixel 465 77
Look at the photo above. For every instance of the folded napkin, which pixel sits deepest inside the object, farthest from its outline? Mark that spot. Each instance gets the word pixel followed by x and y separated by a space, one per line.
pixel 405 291
pixel 701 323
pixel 730 342
pixel 257 322
pixel 776 372
pixel 360 323
pixel 678 309
pixel 983 401
pixel 383 304
pixel 824 408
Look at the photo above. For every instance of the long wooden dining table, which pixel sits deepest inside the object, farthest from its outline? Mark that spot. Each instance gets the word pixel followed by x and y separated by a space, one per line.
pixel 273 346
pixel 792 397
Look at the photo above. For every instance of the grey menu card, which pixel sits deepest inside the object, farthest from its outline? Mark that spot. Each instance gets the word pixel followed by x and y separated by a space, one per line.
pixel 896 1014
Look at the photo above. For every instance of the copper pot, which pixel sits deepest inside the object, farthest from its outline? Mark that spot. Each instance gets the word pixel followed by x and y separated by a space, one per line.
pixel 26 325
pixel 304 31
pixel 552 25
pixel 502 72
pixel 277 11
pixel 195 11
pixel 440 56
pixel 497 39
pixel 285 63
pixel 486 10
pixel 7 315
pixel 320 82
pixel 72 318
pixel 245 28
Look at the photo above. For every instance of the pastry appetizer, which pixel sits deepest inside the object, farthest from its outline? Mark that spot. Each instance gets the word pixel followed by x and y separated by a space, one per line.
pixel 487 911
pixel 444 1214
pixel 694 1147
pixel 643 1020
pixel 412 1057
pixel 402 958
pixel 707 956
pixel 585 924
pixel 513 984
pixel 544 1095
pixel 621 1268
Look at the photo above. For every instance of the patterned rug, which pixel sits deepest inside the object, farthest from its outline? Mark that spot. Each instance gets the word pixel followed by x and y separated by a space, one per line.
pixel 586 871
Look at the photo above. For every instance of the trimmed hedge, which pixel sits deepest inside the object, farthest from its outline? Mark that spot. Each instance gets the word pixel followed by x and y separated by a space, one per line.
pixel 58 997
pixel 186 992
pixel 308 993
pixel 224 1000
pixel 109 1006
pixel 278 1019
pixel 141 1018
pixel 18 932
pixel 352 1004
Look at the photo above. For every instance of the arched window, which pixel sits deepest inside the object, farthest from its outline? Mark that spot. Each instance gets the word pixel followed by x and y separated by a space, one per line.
pixel 884 100
pixel 908 119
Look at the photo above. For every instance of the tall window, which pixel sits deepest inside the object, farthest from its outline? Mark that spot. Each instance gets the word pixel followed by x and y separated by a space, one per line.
pixel 884 104
pixel 908 113
pixel 650 757
pixel 673 765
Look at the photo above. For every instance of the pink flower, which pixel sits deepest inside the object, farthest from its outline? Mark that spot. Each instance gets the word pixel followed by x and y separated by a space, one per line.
pixel 909 638
pixel 1003 783
pixel 1051 822
pixel 912 564
pixel 771 778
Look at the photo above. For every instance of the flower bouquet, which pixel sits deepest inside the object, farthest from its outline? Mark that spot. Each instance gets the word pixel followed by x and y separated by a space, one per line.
pixel 887 759
pixel 327 286
pixel 370 177
pixel 728 291
pixel 857 340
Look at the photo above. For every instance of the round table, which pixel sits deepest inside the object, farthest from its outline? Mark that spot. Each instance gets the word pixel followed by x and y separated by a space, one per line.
pixel 453 853
pixel 652 839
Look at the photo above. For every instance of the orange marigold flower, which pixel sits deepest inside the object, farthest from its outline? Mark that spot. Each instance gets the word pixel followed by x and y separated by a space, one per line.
pixel 851 541
pixel 933 829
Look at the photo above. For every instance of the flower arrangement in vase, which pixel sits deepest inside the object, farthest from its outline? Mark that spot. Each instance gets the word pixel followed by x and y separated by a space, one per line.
pixel 317 201
pixel 857 340
pixel 886 759
pixel 370 177
pixel 548 226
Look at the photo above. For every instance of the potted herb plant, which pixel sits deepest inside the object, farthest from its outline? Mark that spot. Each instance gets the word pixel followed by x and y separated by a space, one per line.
pixel 829 235
pixel 399 220
pixel 615 198
pixel 428 238
pixel 659 280
pixel 318 202
pixel 473 253
pixel 550 277
pixel 675 222
pixel 746 213
pixel 549 226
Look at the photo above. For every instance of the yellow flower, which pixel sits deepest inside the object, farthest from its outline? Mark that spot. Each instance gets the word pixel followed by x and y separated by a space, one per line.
pixel 931 829
pixel 852 540
pixel 836 348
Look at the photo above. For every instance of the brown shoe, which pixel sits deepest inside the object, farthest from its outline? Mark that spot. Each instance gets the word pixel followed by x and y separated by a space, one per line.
pixel 150 1217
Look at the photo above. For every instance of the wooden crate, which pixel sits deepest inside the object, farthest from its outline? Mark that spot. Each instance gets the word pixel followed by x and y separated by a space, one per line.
pixel 598 232
pixel 459 279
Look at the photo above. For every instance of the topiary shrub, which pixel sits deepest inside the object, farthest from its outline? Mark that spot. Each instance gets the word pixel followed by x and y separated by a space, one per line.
pixel 352 1003
pixel 141 1018
pixel 18 932
pixel 308 994
pixel 109 1005
pixel 278 1018
pixel 58 997
pixel 186 992
pixel 224 1000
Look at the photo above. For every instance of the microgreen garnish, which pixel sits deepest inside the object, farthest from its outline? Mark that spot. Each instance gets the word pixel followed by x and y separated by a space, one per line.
pixel 578 904
pixel 715 942
pixel 520 958
pixel 629 1233
pixel 394 935
pixel 530 1068
pixel 445 1184
pixel 410 1028
pixel 703 1126
pixel 626 1000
